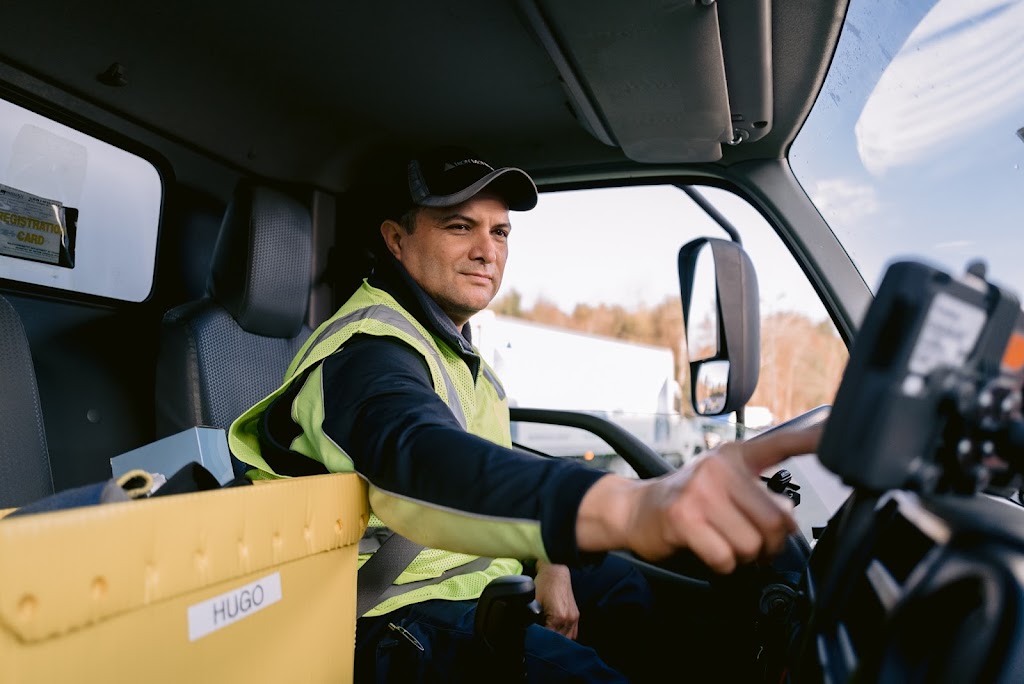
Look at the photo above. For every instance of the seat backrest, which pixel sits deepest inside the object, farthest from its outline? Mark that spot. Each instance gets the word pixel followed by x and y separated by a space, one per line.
pixel 24 460
pixel 221 354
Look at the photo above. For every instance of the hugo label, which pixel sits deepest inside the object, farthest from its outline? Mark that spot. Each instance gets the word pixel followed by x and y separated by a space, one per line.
pixel 237 604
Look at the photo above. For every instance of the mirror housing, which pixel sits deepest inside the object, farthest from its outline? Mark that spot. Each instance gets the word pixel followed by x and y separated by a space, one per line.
pixel 726 362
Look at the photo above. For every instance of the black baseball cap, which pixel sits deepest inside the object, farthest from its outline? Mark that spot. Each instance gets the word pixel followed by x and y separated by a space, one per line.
pixel 446 176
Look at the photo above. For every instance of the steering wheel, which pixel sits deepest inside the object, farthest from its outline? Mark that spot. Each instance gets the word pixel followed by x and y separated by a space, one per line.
pixel 765 596
pixel 795 552
pixel 759 608
pixel 816 416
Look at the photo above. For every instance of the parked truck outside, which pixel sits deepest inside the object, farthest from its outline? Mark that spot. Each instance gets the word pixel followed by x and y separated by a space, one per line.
pixel 631 384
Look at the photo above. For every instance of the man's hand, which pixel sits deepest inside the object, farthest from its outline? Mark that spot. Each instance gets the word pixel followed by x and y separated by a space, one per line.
pixel 716 506
pixel 557 603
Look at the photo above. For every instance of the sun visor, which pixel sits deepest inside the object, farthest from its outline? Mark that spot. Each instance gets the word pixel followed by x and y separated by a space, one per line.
pixel 746 31
pixel 654 77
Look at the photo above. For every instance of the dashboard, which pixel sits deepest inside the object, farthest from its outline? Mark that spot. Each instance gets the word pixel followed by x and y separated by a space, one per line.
pixel 908 588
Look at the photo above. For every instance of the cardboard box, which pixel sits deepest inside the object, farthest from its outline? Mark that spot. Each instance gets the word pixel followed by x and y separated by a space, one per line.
pixel 206 446
pixel 252 584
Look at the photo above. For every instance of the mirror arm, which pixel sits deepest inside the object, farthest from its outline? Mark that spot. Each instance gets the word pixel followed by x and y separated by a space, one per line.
pixel 712 211
pixel 741 422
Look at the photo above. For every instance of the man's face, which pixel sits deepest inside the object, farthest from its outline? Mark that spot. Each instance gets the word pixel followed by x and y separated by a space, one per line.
pixel 457 254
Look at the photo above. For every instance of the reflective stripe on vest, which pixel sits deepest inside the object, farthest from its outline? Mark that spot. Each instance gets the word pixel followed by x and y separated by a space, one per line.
pixel 385 314
pixel 493 380
pixel 371 306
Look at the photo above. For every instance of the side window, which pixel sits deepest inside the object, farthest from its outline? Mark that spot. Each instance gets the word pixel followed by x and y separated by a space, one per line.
pixel 76 213
pixel 589 318
pixel 802 355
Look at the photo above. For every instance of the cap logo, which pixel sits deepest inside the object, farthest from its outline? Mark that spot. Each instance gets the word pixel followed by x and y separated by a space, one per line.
pixel 448 166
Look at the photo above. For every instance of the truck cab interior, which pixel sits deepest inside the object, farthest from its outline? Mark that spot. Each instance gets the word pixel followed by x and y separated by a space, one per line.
pixel 213 161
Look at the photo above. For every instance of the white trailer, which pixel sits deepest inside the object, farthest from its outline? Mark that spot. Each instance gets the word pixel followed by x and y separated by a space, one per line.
pixel 546 367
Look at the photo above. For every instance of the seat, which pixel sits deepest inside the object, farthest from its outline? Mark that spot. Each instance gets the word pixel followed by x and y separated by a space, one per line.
pixel 221 354
pixel 192 218
pixel 25 473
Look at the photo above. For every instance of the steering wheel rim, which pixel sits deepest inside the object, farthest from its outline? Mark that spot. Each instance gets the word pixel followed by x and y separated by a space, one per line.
pixel 691 568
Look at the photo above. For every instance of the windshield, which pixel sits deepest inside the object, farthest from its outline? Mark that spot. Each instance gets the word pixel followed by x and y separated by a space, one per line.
pixel 915 146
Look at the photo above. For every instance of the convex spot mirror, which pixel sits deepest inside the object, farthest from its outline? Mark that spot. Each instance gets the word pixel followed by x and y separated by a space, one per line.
pixel 722 320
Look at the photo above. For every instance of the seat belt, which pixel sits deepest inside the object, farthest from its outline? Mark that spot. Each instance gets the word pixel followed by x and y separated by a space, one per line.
pixel 389 560
pixel 381 570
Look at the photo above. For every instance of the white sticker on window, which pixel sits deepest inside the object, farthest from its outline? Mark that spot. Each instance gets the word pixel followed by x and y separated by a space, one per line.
pixel 220 611
pixel 948 335
pixel 32 227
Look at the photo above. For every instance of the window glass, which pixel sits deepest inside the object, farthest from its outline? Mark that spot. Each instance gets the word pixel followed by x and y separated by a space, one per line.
pixel 802 355
pixel 589 318
pixel 915 146
pixel 76 213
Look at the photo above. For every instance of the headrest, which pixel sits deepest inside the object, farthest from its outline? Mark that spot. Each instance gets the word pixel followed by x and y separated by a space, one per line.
pixel 261 271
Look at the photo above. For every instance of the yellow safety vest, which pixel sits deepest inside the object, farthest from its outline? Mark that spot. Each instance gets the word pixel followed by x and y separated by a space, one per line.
pixel 479 404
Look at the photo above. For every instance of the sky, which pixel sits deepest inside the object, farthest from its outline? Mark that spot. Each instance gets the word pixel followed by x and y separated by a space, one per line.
pixel 620 246
pixel 916 146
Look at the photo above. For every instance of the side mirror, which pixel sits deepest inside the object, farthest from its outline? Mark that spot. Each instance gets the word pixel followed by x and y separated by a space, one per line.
pixel 722 319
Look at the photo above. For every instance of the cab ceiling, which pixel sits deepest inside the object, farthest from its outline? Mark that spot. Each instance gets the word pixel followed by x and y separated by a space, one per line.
pixel 300 91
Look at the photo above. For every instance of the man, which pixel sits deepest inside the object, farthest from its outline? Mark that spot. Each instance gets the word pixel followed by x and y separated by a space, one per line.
pixel 392 388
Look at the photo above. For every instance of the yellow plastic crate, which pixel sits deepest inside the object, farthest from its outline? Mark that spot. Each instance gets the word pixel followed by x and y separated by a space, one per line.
pixel 252 584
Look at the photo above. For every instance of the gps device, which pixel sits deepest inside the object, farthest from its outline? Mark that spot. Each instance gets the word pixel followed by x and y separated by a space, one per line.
pixel 931 396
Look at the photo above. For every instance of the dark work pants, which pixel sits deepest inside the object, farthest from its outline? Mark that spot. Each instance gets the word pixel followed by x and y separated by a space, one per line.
pixel 615 605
